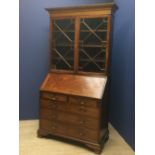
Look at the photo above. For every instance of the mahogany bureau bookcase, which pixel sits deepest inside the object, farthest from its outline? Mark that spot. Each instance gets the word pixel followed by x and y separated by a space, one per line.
pixel 74 94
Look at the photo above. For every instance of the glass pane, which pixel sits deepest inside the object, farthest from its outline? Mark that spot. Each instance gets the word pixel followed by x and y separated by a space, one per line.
pixel 63 44
pixel 92 44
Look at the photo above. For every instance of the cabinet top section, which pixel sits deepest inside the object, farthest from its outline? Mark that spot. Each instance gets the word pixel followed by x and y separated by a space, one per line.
pixel 108 4
pixel 71 84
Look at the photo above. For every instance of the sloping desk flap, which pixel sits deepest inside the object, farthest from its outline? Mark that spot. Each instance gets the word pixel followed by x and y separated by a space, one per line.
pixel 71 84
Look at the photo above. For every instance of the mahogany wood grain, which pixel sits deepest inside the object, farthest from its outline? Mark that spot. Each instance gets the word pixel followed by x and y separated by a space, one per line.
pixel 86 109
pixel 54 97
pixel 71 118
pixel 69 130
pixel 108 44
pixel 52 127
pixel 82 133
pixel 81 101
pixel 75 85
pixel 53 104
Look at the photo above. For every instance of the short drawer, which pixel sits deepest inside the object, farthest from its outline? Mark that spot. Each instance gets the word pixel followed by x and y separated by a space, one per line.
pixel 82 133
pixel 81 101
pixel 46 103
pixel 54 97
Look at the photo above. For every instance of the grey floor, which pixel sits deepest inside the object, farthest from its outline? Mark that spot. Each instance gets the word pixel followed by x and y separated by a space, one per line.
pixel 30 144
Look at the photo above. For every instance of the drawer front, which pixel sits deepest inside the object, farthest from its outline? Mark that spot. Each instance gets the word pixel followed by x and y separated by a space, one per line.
pixel 60 116
pixel 84 106
pixel 70 107
pixel 81 101
pixel 53 104
pixel 74 119
pixel 50 114
pixel 68 130
pixel 54 97
pixel 82 110
pixel 79 120
pixel 82 133
pixel 53 127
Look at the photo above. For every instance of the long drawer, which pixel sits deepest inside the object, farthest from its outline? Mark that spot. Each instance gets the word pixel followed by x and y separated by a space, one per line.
pixel 66 117
pixel 68 130
pixel 81 109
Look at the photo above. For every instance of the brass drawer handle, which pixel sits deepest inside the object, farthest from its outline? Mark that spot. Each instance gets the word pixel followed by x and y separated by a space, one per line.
pixel 53 98
pixel 81 134
pixel 82 122
pixel 53 127
pixel 82 103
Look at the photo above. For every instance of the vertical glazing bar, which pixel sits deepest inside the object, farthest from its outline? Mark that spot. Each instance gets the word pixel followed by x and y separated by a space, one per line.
pixel 107 44
pixel 76 44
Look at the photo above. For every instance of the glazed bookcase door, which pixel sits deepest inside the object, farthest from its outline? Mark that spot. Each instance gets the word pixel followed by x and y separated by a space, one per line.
pixel 63 31
pixel 92 44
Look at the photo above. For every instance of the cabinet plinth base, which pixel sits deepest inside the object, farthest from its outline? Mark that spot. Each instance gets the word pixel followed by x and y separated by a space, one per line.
pixel 42 133
pixel 96 147
pixel 99 147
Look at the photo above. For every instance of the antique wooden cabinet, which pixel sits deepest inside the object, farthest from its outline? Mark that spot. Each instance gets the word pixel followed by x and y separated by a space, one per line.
pixel 74 94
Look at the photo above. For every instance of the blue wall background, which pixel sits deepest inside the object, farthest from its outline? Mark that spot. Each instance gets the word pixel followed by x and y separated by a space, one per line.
pixel 34 60
pixel 122 104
